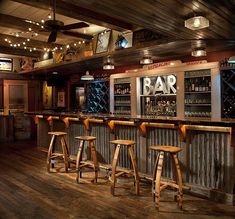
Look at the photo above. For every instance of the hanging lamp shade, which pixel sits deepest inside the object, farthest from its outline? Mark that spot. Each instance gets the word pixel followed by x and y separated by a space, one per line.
pixel 231 60
pixel 199 52
pixel 108 65
pixel 146 61
pixel 87 77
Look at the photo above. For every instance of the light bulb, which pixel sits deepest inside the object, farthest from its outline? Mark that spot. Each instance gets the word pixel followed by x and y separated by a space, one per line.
pixel 196 22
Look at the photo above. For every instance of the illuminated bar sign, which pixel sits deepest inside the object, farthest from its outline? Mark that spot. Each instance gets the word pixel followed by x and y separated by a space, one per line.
pixel 5 64
pixel 159 85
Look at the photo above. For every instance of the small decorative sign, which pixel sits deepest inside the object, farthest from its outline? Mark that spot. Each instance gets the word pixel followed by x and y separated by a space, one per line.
pixel 159 85
pixel 163 64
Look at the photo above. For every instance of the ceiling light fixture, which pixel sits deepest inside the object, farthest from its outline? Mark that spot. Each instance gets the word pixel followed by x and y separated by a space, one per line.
pixel 87 77
pixel 108 65
pixel 146 61
pixel 196 23
pixel 198 52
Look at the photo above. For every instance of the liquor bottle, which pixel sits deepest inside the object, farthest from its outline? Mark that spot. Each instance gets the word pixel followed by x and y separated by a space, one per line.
pixel 192 85
pixel 203 84
pixel 196 85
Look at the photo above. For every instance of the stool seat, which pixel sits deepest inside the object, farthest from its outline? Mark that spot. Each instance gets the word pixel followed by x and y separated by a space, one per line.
pixel 57 133
pixel 80 163
pixel 170 149
pixel 116 173
pixel 123 142
pixel 86 138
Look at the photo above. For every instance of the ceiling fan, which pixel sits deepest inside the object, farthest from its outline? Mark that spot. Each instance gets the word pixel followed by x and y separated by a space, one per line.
pixel 55 26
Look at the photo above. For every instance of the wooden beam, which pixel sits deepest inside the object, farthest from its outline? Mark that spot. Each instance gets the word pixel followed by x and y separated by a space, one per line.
pixel 80 13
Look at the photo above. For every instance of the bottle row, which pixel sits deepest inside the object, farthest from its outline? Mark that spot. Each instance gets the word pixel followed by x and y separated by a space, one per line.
pixel 159 108
pixel 197 114
pixel 198 84
pixel 196 100
pixel 122 110
pixel 120 89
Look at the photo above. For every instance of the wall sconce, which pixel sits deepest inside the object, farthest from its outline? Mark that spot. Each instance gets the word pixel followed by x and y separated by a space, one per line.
pixel 198 52
pixel 196 23
pixel 146 61
pixel 108 65
pixel 87 77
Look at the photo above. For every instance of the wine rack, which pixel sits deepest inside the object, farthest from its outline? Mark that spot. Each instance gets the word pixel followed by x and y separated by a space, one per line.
pixel 98 97
pixel 122 96
pixel 197 93
pixel 228 92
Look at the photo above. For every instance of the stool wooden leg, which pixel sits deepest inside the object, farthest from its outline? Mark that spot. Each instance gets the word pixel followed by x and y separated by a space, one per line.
pixel 154 176
pixel 114 166
pixel 79 157
pixel 134 165
pixel 179 180
pixel 94 158
pixel 158 178
pixel 49 153
pixel 65 153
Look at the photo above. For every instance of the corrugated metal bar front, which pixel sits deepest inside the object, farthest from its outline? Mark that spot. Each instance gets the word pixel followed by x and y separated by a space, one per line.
pixel 75 129
pixel 209 159
pixel 126 132
pixel 162 136
pixel 43 139
pixel 102 133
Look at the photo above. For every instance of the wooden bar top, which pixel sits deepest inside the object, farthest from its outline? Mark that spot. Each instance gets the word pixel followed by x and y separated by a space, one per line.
pixel 136 119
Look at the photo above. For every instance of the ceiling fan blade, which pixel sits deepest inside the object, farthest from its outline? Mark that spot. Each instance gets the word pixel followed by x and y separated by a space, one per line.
pixel 78 35
pixel 74 26
pixel 52 37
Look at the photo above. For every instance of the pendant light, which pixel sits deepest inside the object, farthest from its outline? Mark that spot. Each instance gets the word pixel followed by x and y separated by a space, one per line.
pixel 87 77
pixel 146 60
pixel 108 65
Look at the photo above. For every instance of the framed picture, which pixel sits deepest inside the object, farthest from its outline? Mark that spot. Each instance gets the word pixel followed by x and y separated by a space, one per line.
pixel 103 42
pixel 61 99
pixel 6 64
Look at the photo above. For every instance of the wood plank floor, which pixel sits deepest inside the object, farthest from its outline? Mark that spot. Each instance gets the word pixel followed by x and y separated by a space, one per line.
pixel 28 191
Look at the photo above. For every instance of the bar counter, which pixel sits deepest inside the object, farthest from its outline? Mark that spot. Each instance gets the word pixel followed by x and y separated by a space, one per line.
pixel 207 160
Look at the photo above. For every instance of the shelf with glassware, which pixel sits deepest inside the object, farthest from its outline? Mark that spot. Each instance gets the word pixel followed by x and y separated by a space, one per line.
pixel 158 96
pixel 122 96
pixel 197 93
pixel 228 92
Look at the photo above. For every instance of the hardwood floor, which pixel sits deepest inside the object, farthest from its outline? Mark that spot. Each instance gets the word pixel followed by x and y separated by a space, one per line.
pixel 28 191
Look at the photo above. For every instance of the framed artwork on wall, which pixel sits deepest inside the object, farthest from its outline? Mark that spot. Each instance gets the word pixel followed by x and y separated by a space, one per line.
pixel 6 64
pixel 102 43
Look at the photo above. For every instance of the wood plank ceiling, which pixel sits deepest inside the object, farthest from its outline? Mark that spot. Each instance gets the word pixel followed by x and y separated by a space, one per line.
pixel 162 17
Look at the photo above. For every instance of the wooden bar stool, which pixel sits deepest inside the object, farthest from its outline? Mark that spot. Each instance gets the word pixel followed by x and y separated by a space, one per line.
pixel 115 173
pixel 52 155
pixel 158 185
pixel 85 163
